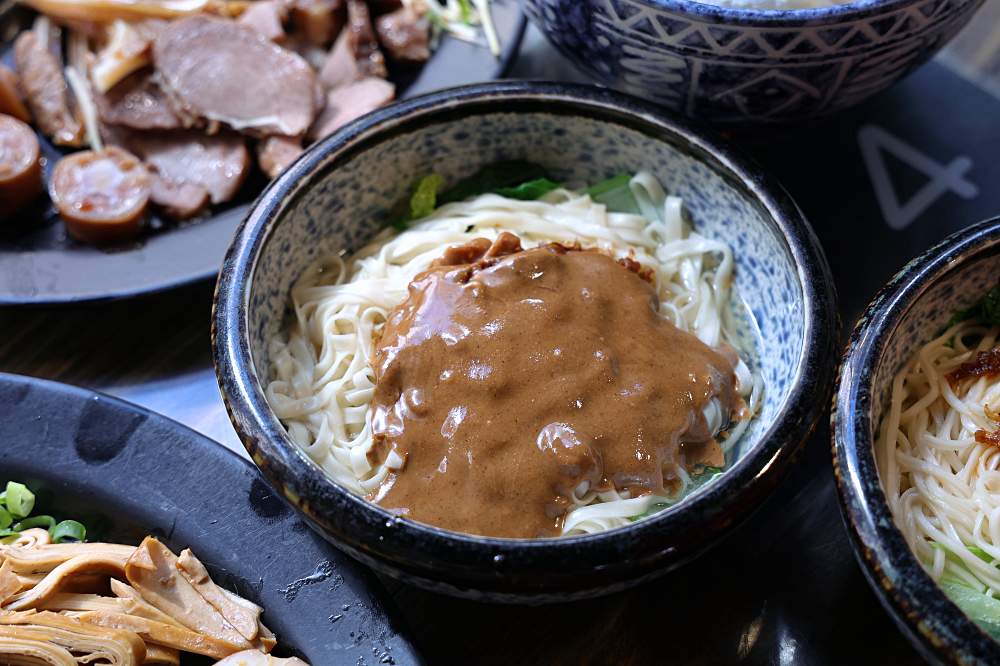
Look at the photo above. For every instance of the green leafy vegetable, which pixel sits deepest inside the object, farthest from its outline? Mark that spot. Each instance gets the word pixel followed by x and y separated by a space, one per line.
pixel 424 199
pixel 975 550
pixel 48 522
pixel 69 530
pixel 20 501
pixel 616 194
pixel 982 609
pixel 981 554
pixel 493 178
pixel 987 310
pixel 465 11
pixel 529 191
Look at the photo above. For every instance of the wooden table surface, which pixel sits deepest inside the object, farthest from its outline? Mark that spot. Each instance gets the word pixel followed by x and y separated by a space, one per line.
pixel 155 352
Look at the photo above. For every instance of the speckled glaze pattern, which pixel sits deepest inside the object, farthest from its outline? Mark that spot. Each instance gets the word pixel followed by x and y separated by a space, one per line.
pixel 745 65
pixel 340 196
pixel 912 309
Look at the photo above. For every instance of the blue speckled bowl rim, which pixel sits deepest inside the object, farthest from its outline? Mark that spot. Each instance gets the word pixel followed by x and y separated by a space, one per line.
pixel 932 622
pixel 781 18
pixel 635 551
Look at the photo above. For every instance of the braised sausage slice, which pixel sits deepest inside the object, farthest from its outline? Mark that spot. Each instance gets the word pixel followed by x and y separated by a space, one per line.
pixel 101 195
pixel 20 168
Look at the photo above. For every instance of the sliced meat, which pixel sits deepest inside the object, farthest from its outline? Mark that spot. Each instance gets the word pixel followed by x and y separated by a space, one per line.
pixel 405 35
pixel 319 21
pixel 138 102
pixel 46 92
pixel 101 196
pixel 218 163
pixel 11 102
pixel 128 50
pixel 350 102
pixel 274 153
pixel 180 201
pixel 266 17
pixel 226 72
pixel 362 40
pixel 20 166
pixel 340 67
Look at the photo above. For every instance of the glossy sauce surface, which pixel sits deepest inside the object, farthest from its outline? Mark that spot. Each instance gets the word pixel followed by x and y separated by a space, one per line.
pixel 509 379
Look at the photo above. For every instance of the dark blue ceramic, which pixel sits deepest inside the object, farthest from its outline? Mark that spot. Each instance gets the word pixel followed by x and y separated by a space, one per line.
pixel 749 65
pixel 339 195
pixel 126 472
pixel 913 308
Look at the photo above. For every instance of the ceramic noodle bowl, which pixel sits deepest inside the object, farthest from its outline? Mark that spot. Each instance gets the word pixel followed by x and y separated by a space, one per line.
pixel 340 195
pixel 909 312
pixel 749 65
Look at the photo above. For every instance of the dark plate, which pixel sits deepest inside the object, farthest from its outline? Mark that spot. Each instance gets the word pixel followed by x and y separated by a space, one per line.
pixel 127 472
pixel 40 265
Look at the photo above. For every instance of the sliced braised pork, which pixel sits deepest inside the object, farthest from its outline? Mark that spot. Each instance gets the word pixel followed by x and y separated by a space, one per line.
pixel 228 73
pixel 46 91
pixel 219 163
pixel 340 67
pixel 179 200
pixel 266 17
pixel 364 45
pixel 276 152
pixel 350 102
pixel 138 102
pixel 405 35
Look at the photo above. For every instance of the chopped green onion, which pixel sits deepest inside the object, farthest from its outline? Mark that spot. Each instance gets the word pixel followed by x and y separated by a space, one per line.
pixel 424 199
pixel 465 10
pixel 48 522
pixel 20 500
pixel 530 190
pixel 616 194
pixel 69 530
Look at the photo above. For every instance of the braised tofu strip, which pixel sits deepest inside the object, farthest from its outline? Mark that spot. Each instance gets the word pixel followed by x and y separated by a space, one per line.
pixel 139 605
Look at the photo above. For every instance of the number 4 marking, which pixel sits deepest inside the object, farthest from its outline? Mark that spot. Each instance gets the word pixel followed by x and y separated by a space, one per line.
pixel 943 178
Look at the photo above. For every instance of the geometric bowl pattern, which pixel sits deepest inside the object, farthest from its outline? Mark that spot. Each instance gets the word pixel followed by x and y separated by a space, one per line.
pixel 749 66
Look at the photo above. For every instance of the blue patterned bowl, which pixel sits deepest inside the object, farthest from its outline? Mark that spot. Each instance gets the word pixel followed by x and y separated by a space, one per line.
pixel 748 65
pixel 914 307
pixel 338 196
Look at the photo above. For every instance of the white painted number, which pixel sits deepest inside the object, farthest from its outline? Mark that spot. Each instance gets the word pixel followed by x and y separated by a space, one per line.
pixel 943 178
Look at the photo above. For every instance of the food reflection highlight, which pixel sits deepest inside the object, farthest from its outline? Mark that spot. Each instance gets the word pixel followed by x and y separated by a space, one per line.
pixel 525 360
pixel 938 455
